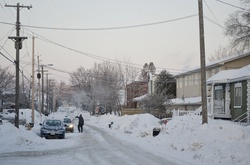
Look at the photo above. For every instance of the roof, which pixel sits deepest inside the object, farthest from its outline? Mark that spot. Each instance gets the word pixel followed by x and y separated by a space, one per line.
pixel 232 75
pixel 140 97
pixel 186 101
pixel 215 63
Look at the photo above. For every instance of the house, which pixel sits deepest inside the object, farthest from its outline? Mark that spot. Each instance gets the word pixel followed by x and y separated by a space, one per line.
pixel 230 93
pixel 189 82
pixel 135 89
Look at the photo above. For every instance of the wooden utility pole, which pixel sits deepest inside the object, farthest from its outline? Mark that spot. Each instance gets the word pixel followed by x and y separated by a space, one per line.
pixel 43 84
pixel 18 45
pixel 42 91
pixel 47 91
pixel 203 64
pixel 39 87
pixel 33 79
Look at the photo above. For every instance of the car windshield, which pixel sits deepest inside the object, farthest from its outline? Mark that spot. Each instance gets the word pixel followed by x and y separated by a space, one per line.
pixel 52 123
pixel 66 120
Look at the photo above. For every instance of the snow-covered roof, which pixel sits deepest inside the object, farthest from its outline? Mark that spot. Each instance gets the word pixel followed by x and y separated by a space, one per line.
pixel 140 98
pixel 233 75
pixel 185 101
pixel 216 63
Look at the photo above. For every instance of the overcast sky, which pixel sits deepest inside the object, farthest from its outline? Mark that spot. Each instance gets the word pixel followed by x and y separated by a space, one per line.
pixel 173 45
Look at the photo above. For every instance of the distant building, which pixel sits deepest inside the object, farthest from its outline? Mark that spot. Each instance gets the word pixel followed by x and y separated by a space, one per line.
pixel 135 89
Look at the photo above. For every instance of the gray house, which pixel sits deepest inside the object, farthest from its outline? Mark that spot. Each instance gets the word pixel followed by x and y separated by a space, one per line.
pixel 230 94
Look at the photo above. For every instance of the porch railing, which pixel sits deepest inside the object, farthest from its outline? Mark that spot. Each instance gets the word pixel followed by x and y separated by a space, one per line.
pixel 242 120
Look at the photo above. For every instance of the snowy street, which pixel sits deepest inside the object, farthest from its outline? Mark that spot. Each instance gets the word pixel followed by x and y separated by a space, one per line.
pixel 94 147
pixel 129 141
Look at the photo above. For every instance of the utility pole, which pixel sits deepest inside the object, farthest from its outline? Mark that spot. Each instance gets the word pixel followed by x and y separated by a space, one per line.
pixel 47 90
pixel 22 82
pixel 39 88
pixel 203 64
pixel 42 91
pixel 43 84
pixel 54 100
pixel 18 45
pixel 33 79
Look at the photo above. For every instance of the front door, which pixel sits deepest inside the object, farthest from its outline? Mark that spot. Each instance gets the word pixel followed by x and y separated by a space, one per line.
pixel 219 100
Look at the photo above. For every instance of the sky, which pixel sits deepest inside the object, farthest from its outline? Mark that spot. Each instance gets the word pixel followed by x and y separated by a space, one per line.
pixel 91 35
pixel 183 140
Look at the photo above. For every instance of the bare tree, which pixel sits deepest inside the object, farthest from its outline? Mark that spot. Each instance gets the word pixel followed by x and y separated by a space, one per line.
pixel 238 27
pixel 221 53
pixel 127 73
pixel 107 85
pixel 63 93
pixel 100 85
pixel 6 84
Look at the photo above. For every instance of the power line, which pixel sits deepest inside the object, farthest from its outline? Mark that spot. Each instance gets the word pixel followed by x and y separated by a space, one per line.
pixel 7 13
pixel 213 22
pixel 13 62
pixel 7 58
pixel 107 28
pixel 212 13
pixel 104 59
pixel 231 5
pixel 8 33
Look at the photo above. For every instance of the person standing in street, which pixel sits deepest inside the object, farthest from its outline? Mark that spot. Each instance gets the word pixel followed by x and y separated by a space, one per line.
pixel 80 123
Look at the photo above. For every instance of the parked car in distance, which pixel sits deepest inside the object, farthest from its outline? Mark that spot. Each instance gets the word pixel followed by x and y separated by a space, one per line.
pixel 164 121
pixel 68 124
pixel 52 128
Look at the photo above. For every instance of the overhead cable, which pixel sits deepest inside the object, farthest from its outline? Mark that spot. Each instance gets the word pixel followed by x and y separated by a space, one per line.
pixel 104 59
pixel 107 28
pixel 231 5
pixel 7 58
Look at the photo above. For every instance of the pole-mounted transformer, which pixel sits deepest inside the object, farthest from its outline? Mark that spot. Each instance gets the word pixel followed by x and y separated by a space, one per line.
pixel 38 75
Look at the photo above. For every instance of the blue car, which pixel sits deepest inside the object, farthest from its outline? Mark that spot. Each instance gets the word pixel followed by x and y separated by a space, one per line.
pixel 52 128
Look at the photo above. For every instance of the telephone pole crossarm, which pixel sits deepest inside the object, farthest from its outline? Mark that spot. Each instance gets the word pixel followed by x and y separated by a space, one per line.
pixel 22 6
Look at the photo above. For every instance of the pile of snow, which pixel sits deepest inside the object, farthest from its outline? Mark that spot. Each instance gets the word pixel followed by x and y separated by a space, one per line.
pixel 183 138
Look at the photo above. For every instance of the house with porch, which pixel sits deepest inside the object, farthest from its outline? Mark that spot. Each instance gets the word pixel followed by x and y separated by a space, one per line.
pixel 230 94
pixel 189 82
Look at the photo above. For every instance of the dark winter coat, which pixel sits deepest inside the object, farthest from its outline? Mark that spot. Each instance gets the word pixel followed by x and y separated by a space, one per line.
pixel 81 120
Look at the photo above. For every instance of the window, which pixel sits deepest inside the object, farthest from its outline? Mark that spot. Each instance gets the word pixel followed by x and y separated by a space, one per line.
pixel 191 80
pixel 218 93
pixel 180 82
pixel 237 95
pixel 186 80
pixel 196 78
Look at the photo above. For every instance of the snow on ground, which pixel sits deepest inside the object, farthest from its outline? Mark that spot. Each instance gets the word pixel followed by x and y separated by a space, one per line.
pixel 182 138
